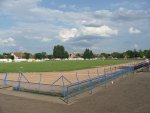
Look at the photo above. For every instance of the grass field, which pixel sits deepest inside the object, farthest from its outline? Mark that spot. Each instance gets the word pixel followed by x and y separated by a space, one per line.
pixel 56 66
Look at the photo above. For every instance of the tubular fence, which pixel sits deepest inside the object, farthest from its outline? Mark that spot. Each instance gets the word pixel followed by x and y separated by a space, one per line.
pixel 71 89
pixel 88 85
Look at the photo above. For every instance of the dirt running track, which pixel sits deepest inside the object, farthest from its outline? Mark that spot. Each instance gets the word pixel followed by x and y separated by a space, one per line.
pixel 50 77
pixel 128 95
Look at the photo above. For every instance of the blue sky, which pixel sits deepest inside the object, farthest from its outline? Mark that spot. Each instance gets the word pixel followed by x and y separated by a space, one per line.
pixel 101 25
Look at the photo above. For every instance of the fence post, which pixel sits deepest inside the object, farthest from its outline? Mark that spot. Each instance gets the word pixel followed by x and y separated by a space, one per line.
pixel 97 70
pixel 64 92
pixel 99 79
pixel 90 80
pixel 62 78
pixel 19 80
pixel 77 76
pixel 5 79
pixel 78 82
pixel 40 82
pixel 110 69
pixel 104 77
pixel 91 86
pixel 67 94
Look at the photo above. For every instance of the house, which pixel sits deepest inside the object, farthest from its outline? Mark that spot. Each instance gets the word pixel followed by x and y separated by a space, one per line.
pixel 75 56
pixel 18 57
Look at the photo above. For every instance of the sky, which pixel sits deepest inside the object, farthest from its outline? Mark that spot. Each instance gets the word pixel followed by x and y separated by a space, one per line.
pixel 104 26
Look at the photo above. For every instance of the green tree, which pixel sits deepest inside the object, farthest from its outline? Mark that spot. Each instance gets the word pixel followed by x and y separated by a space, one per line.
pixel 135 53
pixel 117 55
pixel 88 54
pixel 7 55
pixel 50 56
pixel 66 55
pixel 105 55
pixel 41 55
pixel 44 55
pixel 78 55
pixel 147 53
pixel 26 55
pixel 1 56
pixel 129 54
pixel 141 53
pixel 59 52
pixel 12 57
pixel 38 56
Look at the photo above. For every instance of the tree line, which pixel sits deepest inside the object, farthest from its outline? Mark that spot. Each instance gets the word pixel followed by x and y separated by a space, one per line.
pixel 60 52
pixel 129 54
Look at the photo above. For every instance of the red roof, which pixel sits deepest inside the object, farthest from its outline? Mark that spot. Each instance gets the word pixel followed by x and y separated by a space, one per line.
pixel 18 54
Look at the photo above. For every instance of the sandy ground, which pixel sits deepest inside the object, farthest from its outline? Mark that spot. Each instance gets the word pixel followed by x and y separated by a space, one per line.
pixel 50 77
pixel 130 94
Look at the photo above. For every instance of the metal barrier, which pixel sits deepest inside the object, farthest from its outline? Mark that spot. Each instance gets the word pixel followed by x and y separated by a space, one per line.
pixel 71 89
pixel 23 84
pixel 89 85
pixel 40 88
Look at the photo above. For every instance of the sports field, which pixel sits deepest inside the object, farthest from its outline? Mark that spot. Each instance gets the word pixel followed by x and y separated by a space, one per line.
pixel 57 66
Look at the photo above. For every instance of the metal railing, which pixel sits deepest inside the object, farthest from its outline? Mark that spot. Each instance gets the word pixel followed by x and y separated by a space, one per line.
pixel 71 89
pixel 88 85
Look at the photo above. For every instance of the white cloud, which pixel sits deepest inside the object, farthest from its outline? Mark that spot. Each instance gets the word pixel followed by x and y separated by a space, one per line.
pixel 133 30
pixel 103 31
pixel 33 21
pixel 7 42
pixel 30 10
pixel 103 13
pixel 68 33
